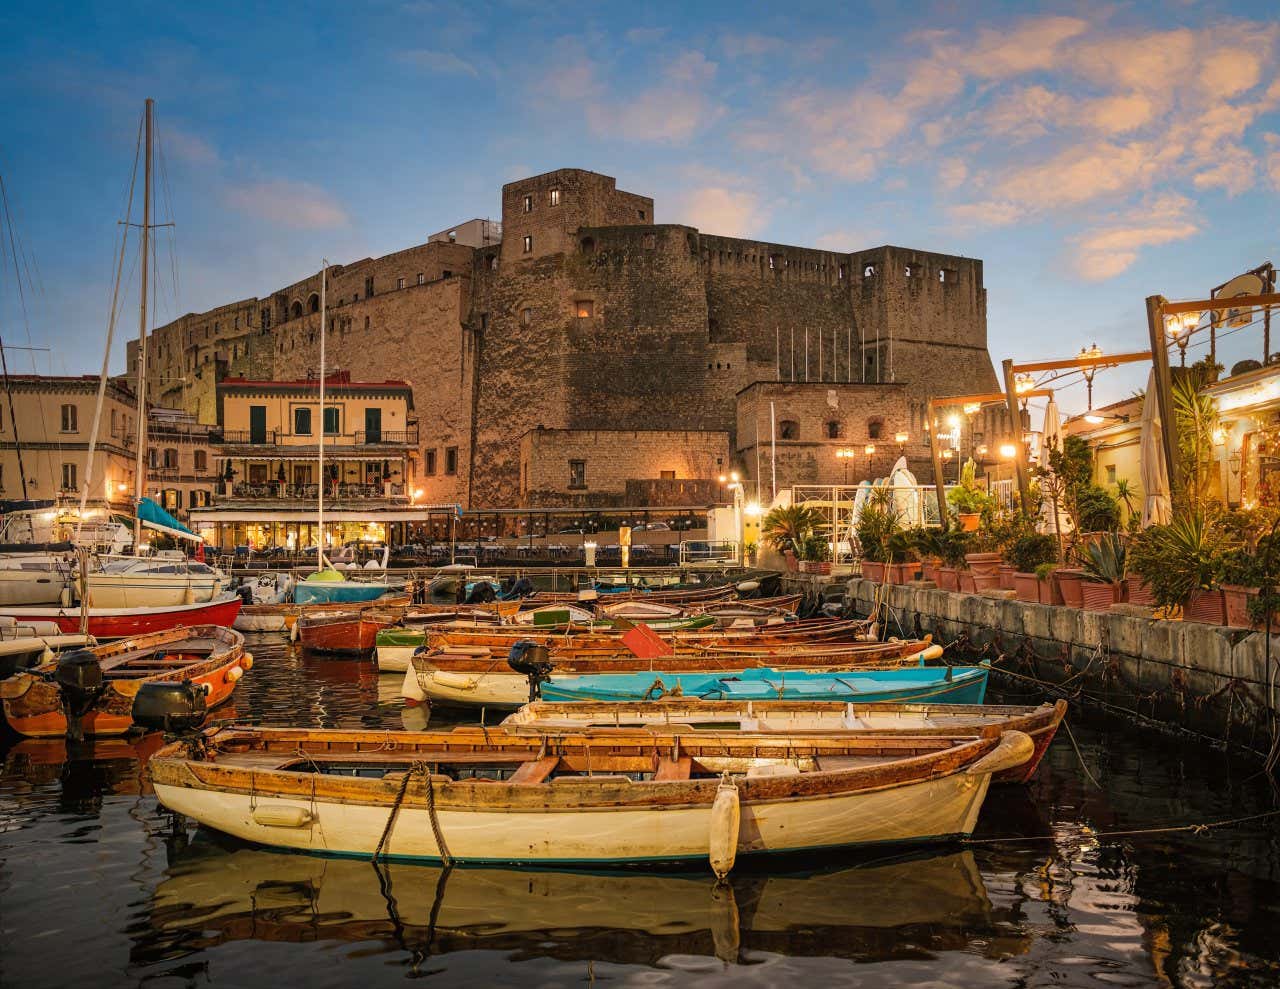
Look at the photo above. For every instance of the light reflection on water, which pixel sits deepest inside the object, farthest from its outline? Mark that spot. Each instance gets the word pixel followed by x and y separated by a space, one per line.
pixel 99 884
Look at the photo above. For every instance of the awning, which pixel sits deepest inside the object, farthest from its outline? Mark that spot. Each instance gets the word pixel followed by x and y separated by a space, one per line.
pixel 153 516
pixel 308 516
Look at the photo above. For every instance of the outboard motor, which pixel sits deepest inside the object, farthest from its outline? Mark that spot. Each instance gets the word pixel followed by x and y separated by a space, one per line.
pixel 533 660
pixel 173 708
pixel 80 683
pixel 245 591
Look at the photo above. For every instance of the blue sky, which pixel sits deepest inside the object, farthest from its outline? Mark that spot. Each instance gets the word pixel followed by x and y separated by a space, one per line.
pixel 1090 155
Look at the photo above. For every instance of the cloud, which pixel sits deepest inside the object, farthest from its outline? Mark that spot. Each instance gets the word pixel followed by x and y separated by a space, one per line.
pixel 847 240
pixel 646 35
pixel 1272 163
pixel 443 63
pixel 299 205
pixel 1111 250
pixel 188 147
pixel 749 45
pixel 718 209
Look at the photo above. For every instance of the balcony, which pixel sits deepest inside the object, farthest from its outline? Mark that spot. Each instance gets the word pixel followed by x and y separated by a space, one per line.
pixel 275 490
pixel 276 437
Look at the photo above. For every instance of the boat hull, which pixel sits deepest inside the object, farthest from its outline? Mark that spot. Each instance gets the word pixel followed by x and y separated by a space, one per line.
pixel 116 623
pixel 341 634
pixel 142 591
pixel 30 588
pixel 339 592
pixel 929 811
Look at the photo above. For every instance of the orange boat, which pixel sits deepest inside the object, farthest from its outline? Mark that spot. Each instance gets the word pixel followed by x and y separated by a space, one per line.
pixel 354 632
pixel 96 687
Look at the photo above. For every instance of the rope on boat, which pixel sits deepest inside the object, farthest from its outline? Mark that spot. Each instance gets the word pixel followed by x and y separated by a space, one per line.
pixel 424 770
pixel 1203 828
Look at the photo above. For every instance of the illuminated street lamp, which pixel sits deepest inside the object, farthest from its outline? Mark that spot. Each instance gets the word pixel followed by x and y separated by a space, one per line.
pixel 901 440
pixel 947 454
pixel 845 454
pixel 1092 352
pixel 1008 451
pixel 870 451
pixel 1180 326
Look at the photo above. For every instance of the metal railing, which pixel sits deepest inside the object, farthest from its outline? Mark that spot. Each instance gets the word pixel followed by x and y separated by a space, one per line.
pixel 278 437
pixel 309 492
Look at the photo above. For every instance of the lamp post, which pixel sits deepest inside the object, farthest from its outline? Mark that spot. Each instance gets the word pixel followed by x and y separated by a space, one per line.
pixel 947 454
pixel 970 410
pixel 870 451
pixel 1024 383
pixel 734 484
pixel 1092 352
pixel 901 440
pixel 845 454
pixel 1180 326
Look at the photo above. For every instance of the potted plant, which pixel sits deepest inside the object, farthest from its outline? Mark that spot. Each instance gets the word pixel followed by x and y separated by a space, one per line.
pixel 817 553
pixel 928 548
pixel 1183 563
pixel 786 528
pixel 951 547
pixel 1025 556
pixel 878 523
pixel 967 499
pixel 1047 585
pixel 1241 579
pixel 1104 572
pixel 900 568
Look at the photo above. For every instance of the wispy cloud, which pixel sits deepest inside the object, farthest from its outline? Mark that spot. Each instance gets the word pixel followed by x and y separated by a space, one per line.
pixel 188 147
pixel 299 205
pixel 722 209
pixel 1110 250
pixel 444 63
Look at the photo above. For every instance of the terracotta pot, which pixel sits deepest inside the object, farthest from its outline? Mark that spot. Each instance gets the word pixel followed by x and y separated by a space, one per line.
pixel 986 582
pixel 929 570
pixel 793 565
pixel 901 573
pixel 1006 578
pixel 983 563
pixel 1070 586
pixel 1049 592
pixel 1100 597
pixel 1027 587
pixel 1139 592
pixel 820 566
pixel 969 521
pixel 1236 599
pixel 873 571
pixel 965 579
pixel 948 579
pixel 1208 607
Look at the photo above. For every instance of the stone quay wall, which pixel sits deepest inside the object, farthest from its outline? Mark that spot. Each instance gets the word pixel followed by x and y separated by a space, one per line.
pixel 1209 680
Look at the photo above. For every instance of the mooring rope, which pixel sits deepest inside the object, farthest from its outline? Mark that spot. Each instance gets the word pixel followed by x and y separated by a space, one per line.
pixel 1203 828
pixel 424 770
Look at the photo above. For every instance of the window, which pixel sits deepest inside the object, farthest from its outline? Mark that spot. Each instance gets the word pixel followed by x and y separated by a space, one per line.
pixel 237 322
pixel 640 213
pixel 528 204
pixel 453 236
pixel 331 420
pixel 431 463
pixel 302 422
pixel 1111 473
pixel 577 473
pixel 302 475
pixel 484 321
pixel 493 262
pixel 446 273
pixel 201 460
pixel 366 324
pixel 451 460
pixel 313 303
pixel 296 311
pixel 400 282
pixel 115 420
pixel 832 429
pixel 868 270
pixel 588 245
pixel 874 428
pixel 422 278
pixel 586 308
pixel 170 458
pixel 946 276
pixel 70 419
pixel 368 287
pixel 528 243
pixel 788 429
pixel 553 197
pixel 840 273
pixel 265 317
pixel 153 458
pixel 69 478
pixel 257 473
pixel 526 317
pixel 667 475
pixel 912 271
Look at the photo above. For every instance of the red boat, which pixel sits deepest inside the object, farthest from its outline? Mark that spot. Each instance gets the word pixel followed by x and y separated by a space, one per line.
pixel 353 632
pixel 116 623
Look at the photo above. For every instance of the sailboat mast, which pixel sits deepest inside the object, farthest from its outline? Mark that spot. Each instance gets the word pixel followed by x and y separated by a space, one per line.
pixel 324 269
pixel 138 476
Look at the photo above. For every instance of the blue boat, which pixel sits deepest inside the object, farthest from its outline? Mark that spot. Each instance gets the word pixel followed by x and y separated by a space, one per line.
pixel 329 586
pixel 937 684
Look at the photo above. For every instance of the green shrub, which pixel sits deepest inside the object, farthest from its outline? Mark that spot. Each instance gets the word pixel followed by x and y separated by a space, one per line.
pixel 1188 554
pixel 1105 559
pixel 1096 509
pixel 1045 571
pixel 1030 551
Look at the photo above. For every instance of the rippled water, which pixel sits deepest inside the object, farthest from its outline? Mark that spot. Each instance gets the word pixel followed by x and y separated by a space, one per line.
pixel 99 886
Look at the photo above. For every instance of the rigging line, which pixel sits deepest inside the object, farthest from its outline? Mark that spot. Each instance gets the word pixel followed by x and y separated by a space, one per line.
pixel 171 241
pixel 4 360
pixel 112 312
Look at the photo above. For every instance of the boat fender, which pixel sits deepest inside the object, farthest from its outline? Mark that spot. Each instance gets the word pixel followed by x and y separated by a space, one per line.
pixel 282 816
pixel 726 925
pixel 234 674
pixel 1014 749
pixel 247 661
pixel 455 681
pixel 725 820
pixel 15 686
pixel 933 652
pixel 293 632
pixel 747 586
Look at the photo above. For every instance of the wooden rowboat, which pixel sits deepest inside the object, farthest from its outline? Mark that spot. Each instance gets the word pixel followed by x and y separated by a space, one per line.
pixel 353 632
pixel 476 795
pixel 482 677
pixel 116 623
pixel 688 714
pixel 676 596
pixel 283 617
pixel 208 655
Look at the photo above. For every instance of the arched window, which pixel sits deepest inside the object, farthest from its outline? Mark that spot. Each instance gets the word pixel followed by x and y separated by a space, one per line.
pixel 833 429
pixel 296 310
pixel 788 429
pixel 874 428
pixel 313 303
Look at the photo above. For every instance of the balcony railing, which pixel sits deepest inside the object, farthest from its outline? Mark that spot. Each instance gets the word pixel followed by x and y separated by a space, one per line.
pixel 276 437
pixel 308 492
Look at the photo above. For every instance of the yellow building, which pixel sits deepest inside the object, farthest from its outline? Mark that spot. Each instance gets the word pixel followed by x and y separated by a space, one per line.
pixel 1114 434
pixel 45 425
pixel 266 451
pixel 1247 443
pixel 181 472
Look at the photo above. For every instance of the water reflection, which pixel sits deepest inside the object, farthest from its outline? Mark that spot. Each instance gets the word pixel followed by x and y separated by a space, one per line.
pixel 215 892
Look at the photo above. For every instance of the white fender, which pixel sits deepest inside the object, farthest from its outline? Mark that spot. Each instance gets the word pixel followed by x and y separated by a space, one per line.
pixel 281 816
pixel 725 819
pixel 411 690
pixel 1015 748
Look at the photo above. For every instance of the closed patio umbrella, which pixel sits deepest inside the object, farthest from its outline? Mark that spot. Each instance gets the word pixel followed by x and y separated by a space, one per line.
pixel 1051 439
pixel 1156 507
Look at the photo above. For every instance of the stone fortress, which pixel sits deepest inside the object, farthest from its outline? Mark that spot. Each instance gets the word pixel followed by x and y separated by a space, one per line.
pixel 578 354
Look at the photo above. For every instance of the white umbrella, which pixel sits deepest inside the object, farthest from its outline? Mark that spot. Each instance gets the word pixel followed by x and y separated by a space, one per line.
pixel 1156 509
pixel 1050 440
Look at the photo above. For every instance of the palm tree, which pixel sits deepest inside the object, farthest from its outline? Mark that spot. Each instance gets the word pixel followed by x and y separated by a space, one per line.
pixel 787 527
pixel 1125 495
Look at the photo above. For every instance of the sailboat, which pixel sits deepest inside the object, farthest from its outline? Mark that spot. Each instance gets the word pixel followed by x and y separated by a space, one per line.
pixel 329 585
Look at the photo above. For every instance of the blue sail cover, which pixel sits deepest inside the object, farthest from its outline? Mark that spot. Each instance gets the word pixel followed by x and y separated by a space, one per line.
pixel 155 517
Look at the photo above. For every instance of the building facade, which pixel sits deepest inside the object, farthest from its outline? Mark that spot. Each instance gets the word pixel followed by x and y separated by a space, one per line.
pixel 587 316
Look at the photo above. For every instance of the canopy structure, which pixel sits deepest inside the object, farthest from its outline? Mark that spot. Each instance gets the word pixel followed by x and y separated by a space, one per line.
pixel 153 516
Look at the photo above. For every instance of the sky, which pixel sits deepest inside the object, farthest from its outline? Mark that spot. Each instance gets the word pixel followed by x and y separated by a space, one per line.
pixel 1090 154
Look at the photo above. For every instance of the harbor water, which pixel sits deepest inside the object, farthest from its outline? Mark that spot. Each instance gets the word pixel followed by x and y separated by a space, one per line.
pixel 1071 881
